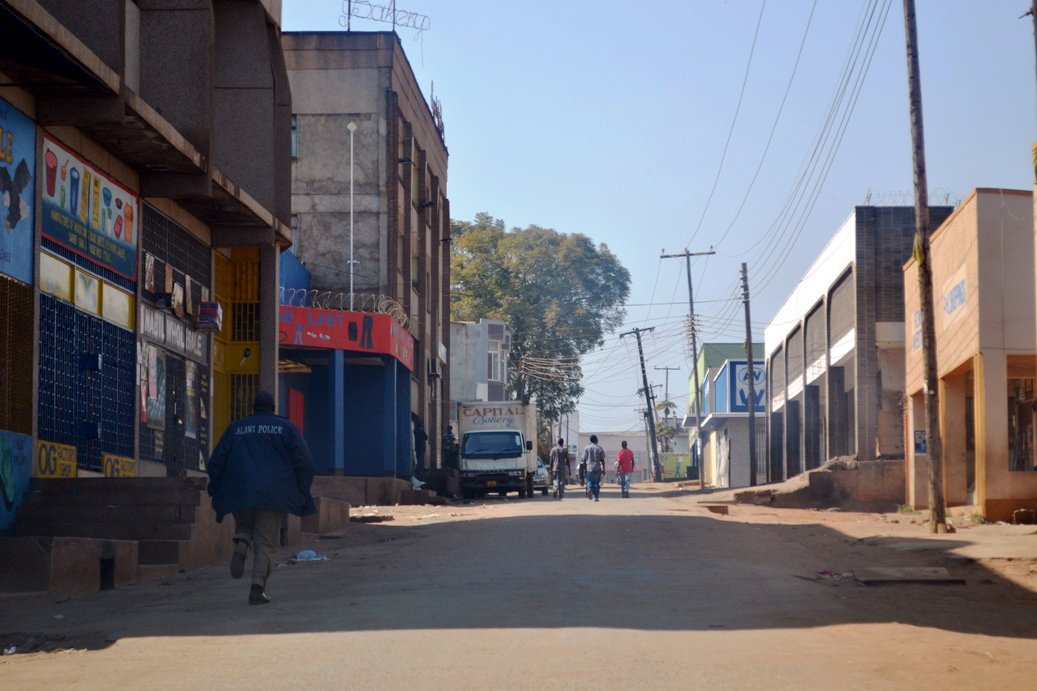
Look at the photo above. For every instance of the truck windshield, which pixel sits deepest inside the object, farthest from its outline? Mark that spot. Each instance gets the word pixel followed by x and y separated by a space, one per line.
pixel 491 444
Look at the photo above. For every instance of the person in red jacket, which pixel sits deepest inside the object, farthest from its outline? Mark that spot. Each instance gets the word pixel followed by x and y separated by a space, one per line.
pixel 625 466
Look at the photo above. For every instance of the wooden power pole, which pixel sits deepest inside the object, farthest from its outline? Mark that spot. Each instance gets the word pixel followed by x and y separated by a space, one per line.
pixel 752 377
pixel 697 444
pixel 648 401
pixel 930 376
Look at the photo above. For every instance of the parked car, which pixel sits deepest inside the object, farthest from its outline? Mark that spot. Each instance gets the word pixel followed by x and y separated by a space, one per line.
pixel 540 479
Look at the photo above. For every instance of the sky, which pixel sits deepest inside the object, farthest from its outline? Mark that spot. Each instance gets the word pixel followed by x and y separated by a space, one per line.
pixel 751 128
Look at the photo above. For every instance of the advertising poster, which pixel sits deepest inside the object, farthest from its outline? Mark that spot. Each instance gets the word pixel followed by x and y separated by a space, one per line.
pixel 191 413
pixel 15 474
pixel 87 212
pixel 156 405
pixel 17 177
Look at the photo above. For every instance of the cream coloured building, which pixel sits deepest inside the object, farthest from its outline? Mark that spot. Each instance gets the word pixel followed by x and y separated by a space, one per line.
pixel 986 337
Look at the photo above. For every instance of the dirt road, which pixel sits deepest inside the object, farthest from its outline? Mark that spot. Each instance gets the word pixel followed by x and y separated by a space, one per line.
pixel 654 591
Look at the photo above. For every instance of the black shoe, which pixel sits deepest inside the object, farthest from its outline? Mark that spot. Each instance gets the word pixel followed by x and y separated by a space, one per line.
pixel 237 560
pixel 257 596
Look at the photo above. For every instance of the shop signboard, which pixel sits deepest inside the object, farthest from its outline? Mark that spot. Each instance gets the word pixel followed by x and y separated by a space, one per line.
pixel 118 466
pixel 17 174
pixel 54 460
pixel 366 332
pixel 88 212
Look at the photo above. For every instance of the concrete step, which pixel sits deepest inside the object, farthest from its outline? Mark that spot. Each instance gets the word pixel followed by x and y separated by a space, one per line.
pixel 45 526
pixel 112 514
pixel 66 565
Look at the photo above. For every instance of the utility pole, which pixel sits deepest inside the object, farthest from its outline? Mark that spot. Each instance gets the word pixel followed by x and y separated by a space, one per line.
pixel 697 446
pixel 752 377
pixel 934 450
pixel 648 400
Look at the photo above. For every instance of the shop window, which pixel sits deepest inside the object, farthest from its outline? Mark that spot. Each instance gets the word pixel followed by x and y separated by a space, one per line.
pixel 1020 425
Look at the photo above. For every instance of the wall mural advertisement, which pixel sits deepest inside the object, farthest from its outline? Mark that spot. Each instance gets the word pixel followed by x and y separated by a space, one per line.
pixel 87 212
pixel 15 474
pixel 17 172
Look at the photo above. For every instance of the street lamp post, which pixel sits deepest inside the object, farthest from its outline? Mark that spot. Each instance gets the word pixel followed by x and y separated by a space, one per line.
pixel 352 128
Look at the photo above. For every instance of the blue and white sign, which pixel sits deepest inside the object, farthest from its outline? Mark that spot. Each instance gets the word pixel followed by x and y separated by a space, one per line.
pixel 740 388
pixel 17 191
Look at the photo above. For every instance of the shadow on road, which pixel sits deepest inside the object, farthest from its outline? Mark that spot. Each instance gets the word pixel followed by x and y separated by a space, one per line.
pixel 664 571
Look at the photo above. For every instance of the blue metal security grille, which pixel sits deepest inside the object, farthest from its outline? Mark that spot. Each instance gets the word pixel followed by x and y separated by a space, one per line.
pixel 75 397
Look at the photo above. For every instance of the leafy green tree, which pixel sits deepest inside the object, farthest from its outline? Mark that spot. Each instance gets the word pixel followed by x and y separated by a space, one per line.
pixel 558 293
pixel 664 431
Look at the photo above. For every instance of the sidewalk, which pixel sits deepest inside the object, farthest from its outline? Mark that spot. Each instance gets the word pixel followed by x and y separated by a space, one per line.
pixel 1010 550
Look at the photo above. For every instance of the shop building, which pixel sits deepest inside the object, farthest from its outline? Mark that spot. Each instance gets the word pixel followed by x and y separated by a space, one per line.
pixel 370 219
pixel 986 339
pixel 835 349
pixel 712 358
pixel 152 175
pixel 725 424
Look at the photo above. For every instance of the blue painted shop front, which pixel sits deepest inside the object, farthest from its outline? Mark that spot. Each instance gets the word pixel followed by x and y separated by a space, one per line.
pixel 355 411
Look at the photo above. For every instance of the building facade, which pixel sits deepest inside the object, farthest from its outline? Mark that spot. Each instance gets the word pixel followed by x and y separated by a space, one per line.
pixel 371 224
pixel 478 362
pixel 835 349
pixel 712 357
pixel 725 425
pixel 147 167
pixel 986 340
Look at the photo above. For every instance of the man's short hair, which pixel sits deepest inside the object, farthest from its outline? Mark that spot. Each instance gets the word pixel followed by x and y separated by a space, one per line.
pixel 594 439
pixel 624 443
pixel 561 442
pixel 264 402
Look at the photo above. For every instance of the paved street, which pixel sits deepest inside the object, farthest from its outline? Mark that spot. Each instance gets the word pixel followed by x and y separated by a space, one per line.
pixel 654 591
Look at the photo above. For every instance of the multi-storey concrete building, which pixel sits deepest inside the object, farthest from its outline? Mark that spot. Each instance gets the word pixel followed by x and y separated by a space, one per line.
pixel 478 362
pixel 146 201
pixel 147 159
pixel 835 349
pixel 371 224
pixel 986 338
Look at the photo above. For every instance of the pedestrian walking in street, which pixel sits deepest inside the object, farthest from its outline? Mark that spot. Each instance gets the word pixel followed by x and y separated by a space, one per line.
pixel 420 439
pixel 560 468
pixel 594 459
pixel 625 467
pixel 450 447
pixel 260 471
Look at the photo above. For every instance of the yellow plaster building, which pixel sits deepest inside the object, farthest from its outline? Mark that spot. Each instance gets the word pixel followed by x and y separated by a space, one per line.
pixel 986 338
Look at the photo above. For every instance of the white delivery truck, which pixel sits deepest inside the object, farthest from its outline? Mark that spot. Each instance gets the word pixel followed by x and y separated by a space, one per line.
pixel 497 447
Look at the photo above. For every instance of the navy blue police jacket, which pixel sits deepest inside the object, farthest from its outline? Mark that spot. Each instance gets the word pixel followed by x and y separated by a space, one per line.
pixel 261 462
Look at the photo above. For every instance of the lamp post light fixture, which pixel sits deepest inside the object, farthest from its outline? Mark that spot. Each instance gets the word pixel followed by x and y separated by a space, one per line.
pixel 352 128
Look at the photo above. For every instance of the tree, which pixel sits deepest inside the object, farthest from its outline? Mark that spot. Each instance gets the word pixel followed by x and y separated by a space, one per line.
pixel 664 431
pixel 558 293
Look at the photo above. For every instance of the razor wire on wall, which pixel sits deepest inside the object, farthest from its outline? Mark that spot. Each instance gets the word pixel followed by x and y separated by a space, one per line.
pixel 357 302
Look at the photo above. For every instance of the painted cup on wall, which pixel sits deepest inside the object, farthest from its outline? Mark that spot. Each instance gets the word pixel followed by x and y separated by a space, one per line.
pixel 51 162
pixel 73 188
pixel 127 212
